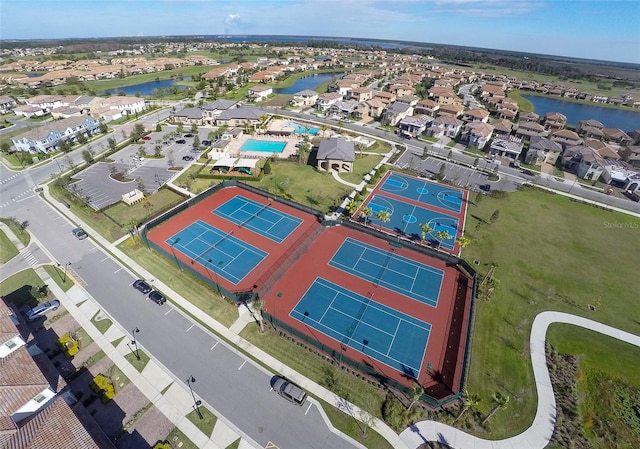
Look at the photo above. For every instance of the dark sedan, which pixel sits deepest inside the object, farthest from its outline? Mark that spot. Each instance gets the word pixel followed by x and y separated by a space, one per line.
pixel 142 286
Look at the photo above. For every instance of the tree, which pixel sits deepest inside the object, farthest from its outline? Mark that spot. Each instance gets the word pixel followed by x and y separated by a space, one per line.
pixel 5 147
pixel 441 236
pixel 81 138
pixel 366 213
pixel 463 241
pixel 196 141
pixel 256 310
pixel 384 216
pixel 424 230
pixel 476 161
pixel 87 155
pixel 157 151
pixel 266 169
pixel 351 207
pixel 180 129
pixel 468 401
pixel 141 185
pixel 416 394
pixel 194 128
pixel 103 128
pixel 112 143
pixel 501 401
pixel 158 128
pixel 137 132
pixel 494 216
pixel 440 176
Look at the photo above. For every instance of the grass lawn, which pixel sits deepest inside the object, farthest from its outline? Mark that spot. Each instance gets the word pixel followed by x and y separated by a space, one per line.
pixel 58 277
pixel 551 254
pixel 161 200
pixel 17 288
pixel 7 249
pixel 137 364
pixel 14 225
pixel 178 439
pixel 94 358
pixel 103 324
pixel 304 184
pixel 363 165
pixel 191 288
pixel 207 423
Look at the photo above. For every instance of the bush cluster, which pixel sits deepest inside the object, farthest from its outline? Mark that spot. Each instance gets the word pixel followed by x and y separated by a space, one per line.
pixel 68 345
pixel 103 386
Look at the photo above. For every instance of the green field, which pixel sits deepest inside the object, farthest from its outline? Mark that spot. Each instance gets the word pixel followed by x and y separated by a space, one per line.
pixel 551 254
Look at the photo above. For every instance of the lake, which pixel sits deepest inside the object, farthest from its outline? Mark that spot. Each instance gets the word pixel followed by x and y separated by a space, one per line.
pixel 626 120
pixel 148 87
pixel 308 82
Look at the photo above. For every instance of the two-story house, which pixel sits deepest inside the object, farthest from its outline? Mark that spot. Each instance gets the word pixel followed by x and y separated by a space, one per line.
pixel 584 161
pixel 477 134
pixel 445 125
pixel 44 139
pixel 542 149
pixel 305 97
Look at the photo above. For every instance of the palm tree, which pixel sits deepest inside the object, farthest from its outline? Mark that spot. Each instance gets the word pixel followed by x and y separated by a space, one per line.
pixel 351 207
pixel 324 129
pixel 416 394
pixel 424 230
pixel 384 216
pixel 463 241
pixel 468 401
pixel 501 401
pixel 256 310
pixel 366 213
pixel 442 235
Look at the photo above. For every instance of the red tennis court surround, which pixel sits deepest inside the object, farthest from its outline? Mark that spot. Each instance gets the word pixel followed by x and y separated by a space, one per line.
pixel 442 364
pixel 202 211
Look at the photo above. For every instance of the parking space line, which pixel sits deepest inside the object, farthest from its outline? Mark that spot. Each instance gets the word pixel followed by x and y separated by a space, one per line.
pixel 190 327
pixel 217 342
pixel 119 269
pixel 308 408
pixel 168 312
pixel 104 259
pixel 242 365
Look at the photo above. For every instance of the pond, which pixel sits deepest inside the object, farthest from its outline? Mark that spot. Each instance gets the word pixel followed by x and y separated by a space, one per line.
pixel 308 82
pixel 148 87
pixel 626 120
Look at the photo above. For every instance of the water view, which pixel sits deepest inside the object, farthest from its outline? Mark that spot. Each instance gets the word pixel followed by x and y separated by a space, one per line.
pixel 612 118
pixel 148 87
pixel 308 82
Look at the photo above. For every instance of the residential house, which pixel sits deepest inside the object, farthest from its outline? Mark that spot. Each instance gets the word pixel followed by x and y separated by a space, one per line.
pixel 371 108
pixel 443 95
pixel 489 91
pixel 507 109
pixel 445 125
pixel 37 410
pixel 477 134
pixel 343 109
pixel 326 100
pixel 212 110
pixel 632 155
pixel 401 90
pixel 395 112
pixel 501 126
pixel 336 154
pixel 385 97
pixel 259 93
pixel 527 130
pixel 590 129
pixel 566 138
pixel 305 97
pixel 616 135
pixel 427 107
pixel 554 121
pixel 414 125
pixel 45 138
pixel 507 146
pixel 542 149
pixel 584 161
pixel 7 104
pixel 360 94
pixel 29 111
pixel 452 109
pixel 476 115
pixel 263 77
pixel 126 105
pixel 528 117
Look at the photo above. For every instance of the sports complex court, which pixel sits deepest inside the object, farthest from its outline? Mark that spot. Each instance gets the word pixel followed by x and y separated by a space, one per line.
pixel 412 202
pixel 397 311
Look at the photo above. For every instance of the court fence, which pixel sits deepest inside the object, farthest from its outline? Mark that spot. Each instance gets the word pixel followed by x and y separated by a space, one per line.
pixel 339 358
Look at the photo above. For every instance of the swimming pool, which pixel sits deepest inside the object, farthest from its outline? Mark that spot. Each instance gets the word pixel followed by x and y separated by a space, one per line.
pixel 300 129
pixel 263 146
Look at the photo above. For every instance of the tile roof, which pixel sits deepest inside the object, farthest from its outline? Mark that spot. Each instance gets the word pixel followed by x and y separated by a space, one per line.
pixel 336 148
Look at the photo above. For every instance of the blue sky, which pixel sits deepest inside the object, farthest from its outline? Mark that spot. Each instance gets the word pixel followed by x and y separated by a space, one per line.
pixel 606 30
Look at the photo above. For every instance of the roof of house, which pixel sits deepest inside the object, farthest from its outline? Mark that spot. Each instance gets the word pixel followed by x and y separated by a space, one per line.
pixel 502 125
pixel 55 126
pixel 190 113
pixel 566 134
pixel 218 105
pixel 306 93
pixel 398 107
pixel 591 123
pixel 247 113
pixel 336 148
pixel 447 120
pixel 544 144
pixel 477 113
pixel 555 116
pixel 480 128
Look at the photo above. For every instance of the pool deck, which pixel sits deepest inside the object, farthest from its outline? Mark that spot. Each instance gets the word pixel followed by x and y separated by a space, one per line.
pixel 279 126
pixel 233 148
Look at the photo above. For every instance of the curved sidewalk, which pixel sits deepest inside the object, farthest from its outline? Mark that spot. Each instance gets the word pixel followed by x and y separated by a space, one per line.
pixel 538 435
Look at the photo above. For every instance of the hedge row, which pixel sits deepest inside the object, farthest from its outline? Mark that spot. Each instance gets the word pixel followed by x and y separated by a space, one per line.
pixel 103 386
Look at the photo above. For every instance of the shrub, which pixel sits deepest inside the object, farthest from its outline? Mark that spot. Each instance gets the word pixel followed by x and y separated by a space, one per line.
pixel 103 386
pixel 162 445
pixel 68 345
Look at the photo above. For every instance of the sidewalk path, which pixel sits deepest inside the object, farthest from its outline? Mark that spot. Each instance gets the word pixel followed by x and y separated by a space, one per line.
pixel 539 434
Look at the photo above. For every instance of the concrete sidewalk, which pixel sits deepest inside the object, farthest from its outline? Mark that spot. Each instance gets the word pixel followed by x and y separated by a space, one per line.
pixel 538 435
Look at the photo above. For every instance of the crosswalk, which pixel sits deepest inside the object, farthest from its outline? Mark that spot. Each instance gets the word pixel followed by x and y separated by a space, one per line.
pixel 29 257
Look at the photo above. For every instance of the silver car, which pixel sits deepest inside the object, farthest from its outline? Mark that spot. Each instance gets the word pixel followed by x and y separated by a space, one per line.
pixel 42 309
pixel 290 391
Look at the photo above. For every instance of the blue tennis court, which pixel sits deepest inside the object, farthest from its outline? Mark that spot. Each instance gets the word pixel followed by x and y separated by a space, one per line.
pixel 217 251
pixel 260 218
pixel 406 219
pixel 424 192
pixel 405 276
pixel 385 334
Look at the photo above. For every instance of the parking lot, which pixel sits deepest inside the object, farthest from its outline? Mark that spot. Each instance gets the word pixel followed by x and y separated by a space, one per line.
pixel 99 188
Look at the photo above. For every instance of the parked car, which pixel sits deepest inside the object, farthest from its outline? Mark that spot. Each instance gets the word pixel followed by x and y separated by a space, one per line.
pixel 206 143
pixel 188 135
pixel 187 158
pixel 181 141
pixel 146 138
pixel 142 286
pixel 157 297
pixel 42 309
pixel 79 233
pixel 290 391
pixel 631 195
pixel 485 187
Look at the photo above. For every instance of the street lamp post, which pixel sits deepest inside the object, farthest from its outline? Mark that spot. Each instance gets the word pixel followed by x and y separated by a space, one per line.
pixel 174 253
pixel 196 402
pixel 64 279
pixel 134 342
